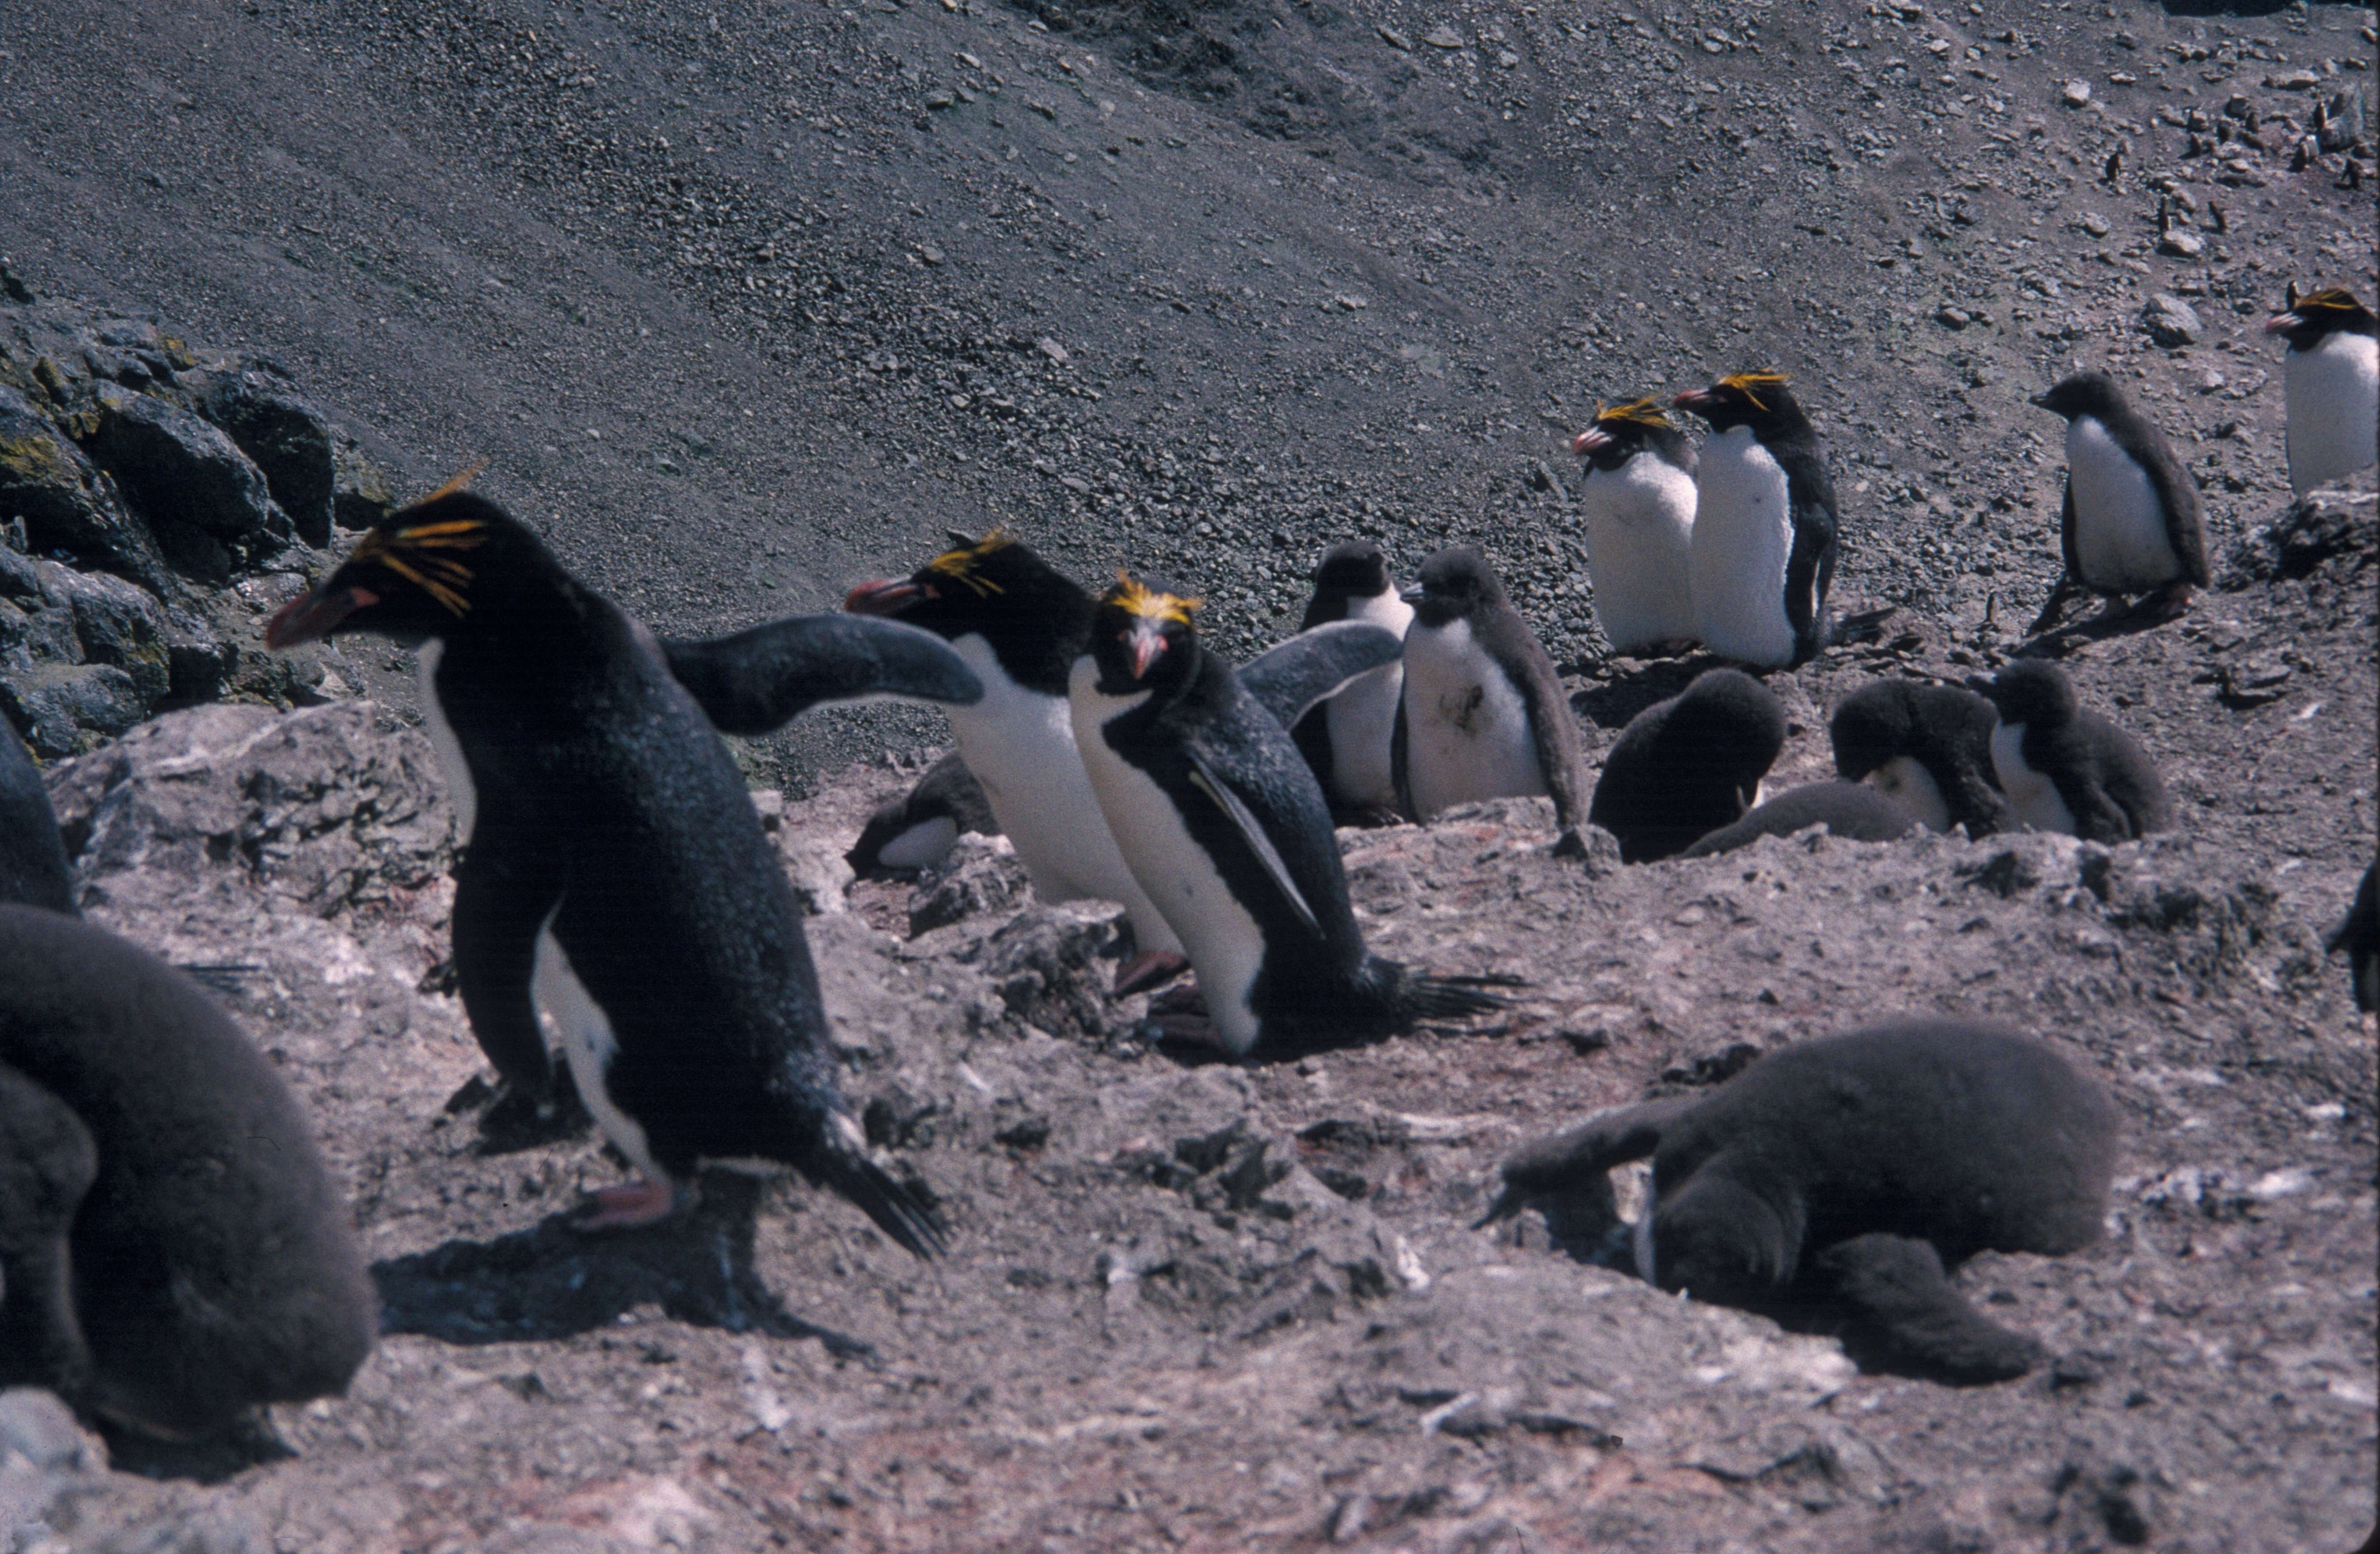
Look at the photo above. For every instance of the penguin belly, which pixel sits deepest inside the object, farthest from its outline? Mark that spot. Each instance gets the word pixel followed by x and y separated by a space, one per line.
pixel 922 846
pixel 1226 945
pixel 460 792
pixel 1742 540
pixel 1640 528
pixel 2120 541
pixel 1362 718
pixel 1020 746
pixel 1466 728
pixel 2032 796
pixel 1905 781
pixel 2333 394
pixel 578 1025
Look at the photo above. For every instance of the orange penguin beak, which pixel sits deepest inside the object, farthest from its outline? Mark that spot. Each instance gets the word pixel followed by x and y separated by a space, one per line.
pixel 311 615
pixel 882 596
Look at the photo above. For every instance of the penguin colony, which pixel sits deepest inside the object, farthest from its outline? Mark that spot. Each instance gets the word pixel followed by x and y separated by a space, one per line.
pixel 616 897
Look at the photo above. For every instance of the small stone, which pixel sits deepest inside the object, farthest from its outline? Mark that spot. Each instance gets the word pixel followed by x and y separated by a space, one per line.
pixel 1442 37
pixel 1051 349
pixel 2076 94
pixel 2294 80
pixel 1952 318
pixel 2171 321
pixel 1394 39
pixel 930 253
pixel 2181 243
pixel 2095 224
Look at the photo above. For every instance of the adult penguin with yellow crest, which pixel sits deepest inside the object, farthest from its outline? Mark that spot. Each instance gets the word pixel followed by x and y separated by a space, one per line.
pixel 1223 824
pixel 1765 527
pixel 617 875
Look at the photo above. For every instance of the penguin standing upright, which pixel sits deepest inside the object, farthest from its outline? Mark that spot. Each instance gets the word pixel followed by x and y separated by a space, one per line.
pixel 1484 714
pixel 1685 767
pixel 2131 521
pixel 2330 379
pixel 1927 746
pixel 1020 623
pixel 2068 769
pixel 1639 500
pixel 615 874
pixel 1347 739
pixel 1766 534
pixel 1222 821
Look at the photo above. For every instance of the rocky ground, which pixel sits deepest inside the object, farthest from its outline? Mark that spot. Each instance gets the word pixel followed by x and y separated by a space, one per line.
pixel 746 302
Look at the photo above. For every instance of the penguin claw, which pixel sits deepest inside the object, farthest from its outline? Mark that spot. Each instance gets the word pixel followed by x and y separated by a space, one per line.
pixel 1152 969
pixel 631 1205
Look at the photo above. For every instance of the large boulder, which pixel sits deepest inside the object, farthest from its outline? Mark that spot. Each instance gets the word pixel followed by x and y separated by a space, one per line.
pixel 207 503
pixel 83 656
pixel 287 438
pixel 63 503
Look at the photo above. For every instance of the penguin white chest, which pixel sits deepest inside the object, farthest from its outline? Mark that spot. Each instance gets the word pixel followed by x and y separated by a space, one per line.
pixel 1467 727
pixel 1020 747
pixel 460 792
pixel 1362 718
pixel 1226 945
pixel 578 1025
pixel 2032 796
pixel 2333 392
pixel 1640 525
pixel 1905 781
pixel 1742 542
pixel 2120 540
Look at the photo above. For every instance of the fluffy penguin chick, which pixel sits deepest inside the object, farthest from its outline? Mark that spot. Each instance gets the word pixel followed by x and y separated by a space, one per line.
pixel 2131 522
pixel 1685 767
pixel 2064 768
pixel 1222 821
pixel 1484 714
pixel 918 829
pixel 1347 739
pixel 1928 748
pixel 616 876
pixel 2330 378
pixel 1847 1173
pixel 1766 534
pixel 1850 810
pixel 1639 500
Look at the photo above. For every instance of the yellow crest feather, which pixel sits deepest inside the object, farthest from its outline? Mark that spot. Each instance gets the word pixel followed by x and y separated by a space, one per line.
pixel 1147 603
pixel 1646 411
pixel 958 565
pixel 1751 384
pixel 2328 299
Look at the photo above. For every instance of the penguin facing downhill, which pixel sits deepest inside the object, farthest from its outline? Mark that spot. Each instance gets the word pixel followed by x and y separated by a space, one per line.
pixel 1222 821
pixel 1020 623
pixel 2330 375
pixel 1685 767
pixel 1639 500
pixel 1484 714
pixel 1347 739
pixel 2068 769
pixel 1766 534
pixel 2131 522
pixel 617 875
pixel 1928 747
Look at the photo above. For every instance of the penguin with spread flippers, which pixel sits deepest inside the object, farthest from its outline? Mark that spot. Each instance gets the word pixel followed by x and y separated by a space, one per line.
pixel 616 875
pixel 1834 1183
pixel 2330 381
pixel 1484 713
pixel 1928 748
pixel 2131 523
pixel 1767 534
pixel 1222 821
pixel 1347 739
pixel 1685 767
pixel 1639 500
pixel 1019 624
pixel 918 829
pixel 2065 768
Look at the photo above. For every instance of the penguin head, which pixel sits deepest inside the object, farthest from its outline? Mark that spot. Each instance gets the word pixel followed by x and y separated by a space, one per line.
pixel 2034 692
pixel 1757 400
pixel 1456 583
pixel 2309 318
pixel 2082 394
pixel 1142 638
pixel 973 586
pixel 417 574
pixel 1352 569
pixel 1717 1239
pixel 1726 722
pixel 1875 724
pixel 1622 432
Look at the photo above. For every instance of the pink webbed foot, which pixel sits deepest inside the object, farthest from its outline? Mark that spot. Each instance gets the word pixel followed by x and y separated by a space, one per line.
pixel 1149 969
pixel 634 1203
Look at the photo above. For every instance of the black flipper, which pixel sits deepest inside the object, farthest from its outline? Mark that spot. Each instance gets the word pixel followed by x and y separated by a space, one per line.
pixel 505 889
pixel 1810 568
pixel 33 870
pixel 1398 744
pixel 1290 678
pixel 1578 1156
pixel 759 680
pixel 1906 1315
pixel 1251 831
pixel 2177 491
pixel 47 1163
pixel 1555 733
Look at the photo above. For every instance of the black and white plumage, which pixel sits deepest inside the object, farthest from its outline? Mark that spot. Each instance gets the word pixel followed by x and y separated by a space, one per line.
pixel 1834 1181
pixel 2131 523
pixel 2330 379
pixel 616 877
pixel 1484 714
pixel 2065 768
pixel 1685 767
pixel 1767 533
pixel 33 860
pixel 1853 812
pixel 2359 935
pixel 173 1252
pixel 1222 820
pixel 1020 623
pixel 1639 500
pixel 918 829
pixel 1926 747
pixel 1347 739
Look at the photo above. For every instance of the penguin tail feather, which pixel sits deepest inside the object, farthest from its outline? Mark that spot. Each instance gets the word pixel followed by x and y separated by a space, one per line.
pixel 901 1210
pixel 1453 998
